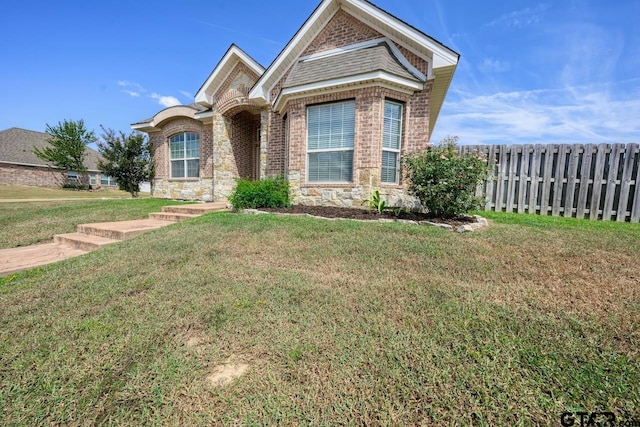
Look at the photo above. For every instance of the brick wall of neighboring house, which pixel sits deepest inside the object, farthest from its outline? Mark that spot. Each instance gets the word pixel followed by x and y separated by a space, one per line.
pixel 188 189
pixel 40 176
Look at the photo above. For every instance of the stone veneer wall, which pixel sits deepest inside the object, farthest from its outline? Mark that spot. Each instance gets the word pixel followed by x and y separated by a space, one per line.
pixel 201 189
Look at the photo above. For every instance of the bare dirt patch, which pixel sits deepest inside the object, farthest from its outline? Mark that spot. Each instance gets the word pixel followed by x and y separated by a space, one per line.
pixel 363 214
pixel 224 374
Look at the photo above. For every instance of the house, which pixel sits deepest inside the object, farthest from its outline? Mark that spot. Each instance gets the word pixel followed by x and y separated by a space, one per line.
pixel 20 166
pixel 353 90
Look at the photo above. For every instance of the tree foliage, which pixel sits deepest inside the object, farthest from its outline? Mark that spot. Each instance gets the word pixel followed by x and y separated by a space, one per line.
pixel 127 158
pixel 67 146
pixel 444 180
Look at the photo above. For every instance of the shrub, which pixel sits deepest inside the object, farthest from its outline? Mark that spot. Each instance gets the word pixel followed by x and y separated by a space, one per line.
pixel 445 181
pixel 265 193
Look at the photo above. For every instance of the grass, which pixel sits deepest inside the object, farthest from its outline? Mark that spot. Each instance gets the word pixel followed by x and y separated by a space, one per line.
pixel 30 192
pixel 27 223
pixel 339 322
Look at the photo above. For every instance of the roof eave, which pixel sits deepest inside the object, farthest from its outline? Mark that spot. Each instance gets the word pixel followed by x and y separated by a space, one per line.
pixel 441 83
pixel 381 78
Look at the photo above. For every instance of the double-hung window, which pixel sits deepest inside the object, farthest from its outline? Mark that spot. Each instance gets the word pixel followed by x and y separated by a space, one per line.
pixel 108 180
pixel 330 139
pixel 185 155
pixel 391 142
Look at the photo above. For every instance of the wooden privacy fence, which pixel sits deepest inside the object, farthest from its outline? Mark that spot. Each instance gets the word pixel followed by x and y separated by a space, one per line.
pixel 582 180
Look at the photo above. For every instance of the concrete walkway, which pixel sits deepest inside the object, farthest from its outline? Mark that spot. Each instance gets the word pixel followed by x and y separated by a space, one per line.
pixel 93 236
pixel 60 199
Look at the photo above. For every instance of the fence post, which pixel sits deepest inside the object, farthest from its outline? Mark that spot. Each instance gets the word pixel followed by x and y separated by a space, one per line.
pixel 511 183
pixel 523 178
pixel 597 181
pixel 614 161
pixel 572 176
pixel 585 179
pixel 535 178
pixel 625 183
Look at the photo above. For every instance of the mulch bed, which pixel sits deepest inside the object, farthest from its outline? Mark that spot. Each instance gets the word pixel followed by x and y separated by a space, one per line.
pixel 363 214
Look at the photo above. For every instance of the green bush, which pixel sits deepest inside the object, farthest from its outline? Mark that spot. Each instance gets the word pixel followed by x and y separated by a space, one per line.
pixel 445 181
pixel 265 193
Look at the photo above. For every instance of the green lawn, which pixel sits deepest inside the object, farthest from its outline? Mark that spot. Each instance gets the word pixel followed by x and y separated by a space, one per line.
pixel 338 322
pixel 30 192
pixel 26 223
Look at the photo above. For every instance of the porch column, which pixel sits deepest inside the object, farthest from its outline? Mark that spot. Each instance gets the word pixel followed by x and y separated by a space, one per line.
pixel 264 142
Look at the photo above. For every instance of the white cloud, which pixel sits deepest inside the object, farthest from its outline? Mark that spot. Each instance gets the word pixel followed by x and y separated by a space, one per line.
pixel 131 92
pixel 165 101
pixel 186 94
pixel 520 18
pixel 587 114
pixel 136 86
pixel 490 65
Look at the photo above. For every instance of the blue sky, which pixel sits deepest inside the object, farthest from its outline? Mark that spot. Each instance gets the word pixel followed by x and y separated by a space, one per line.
pixel 563 72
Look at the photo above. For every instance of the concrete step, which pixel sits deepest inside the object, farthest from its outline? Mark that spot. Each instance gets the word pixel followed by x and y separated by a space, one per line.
pixel 23 258
pixel 170 216
pixel 196 209
pixel 122 230
pixel 82 241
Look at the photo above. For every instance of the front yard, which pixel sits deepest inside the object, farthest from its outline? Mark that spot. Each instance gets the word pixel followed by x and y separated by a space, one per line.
pixel 336 322
pixel 27 223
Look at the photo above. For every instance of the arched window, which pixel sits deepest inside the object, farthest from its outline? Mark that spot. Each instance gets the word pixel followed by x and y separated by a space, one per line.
pixel 185 155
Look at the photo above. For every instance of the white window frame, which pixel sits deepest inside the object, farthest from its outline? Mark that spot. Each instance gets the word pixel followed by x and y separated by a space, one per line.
pixel 331 150
pixel 184 159
pixel 110 181
pixel 392 150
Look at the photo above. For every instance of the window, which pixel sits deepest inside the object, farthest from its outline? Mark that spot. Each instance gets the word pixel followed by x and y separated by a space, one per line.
pixel 330 137
pixel 391 142
pixel 92 178
pixel 185 155
pixel 72 175
pixel 107 180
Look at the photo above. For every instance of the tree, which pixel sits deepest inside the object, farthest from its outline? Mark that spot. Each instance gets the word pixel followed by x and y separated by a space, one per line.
pixel 127 158
pixel 68 141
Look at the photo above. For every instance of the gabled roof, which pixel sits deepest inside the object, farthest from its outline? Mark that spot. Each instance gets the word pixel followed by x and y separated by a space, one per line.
pixel 377 57
pixel 229 60
pixel 16 147
pixel 374 62
pixel 443 59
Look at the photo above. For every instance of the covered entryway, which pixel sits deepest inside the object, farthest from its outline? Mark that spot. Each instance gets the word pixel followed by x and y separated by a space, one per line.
pixel 244 133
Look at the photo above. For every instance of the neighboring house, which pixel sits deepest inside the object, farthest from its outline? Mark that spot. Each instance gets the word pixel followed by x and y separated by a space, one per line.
pixel 353 90
pixel 20 166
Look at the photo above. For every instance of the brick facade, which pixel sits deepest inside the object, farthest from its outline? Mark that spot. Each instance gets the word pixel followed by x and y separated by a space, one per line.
pixel 11 174
pixel 345 30
pixel 342 30
pixel 181 188
pixel 242 137
pixel 244 144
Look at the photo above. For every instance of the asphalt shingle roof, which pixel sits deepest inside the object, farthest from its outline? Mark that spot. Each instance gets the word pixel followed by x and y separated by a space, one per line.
pixel 353 63
pixel 16 146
